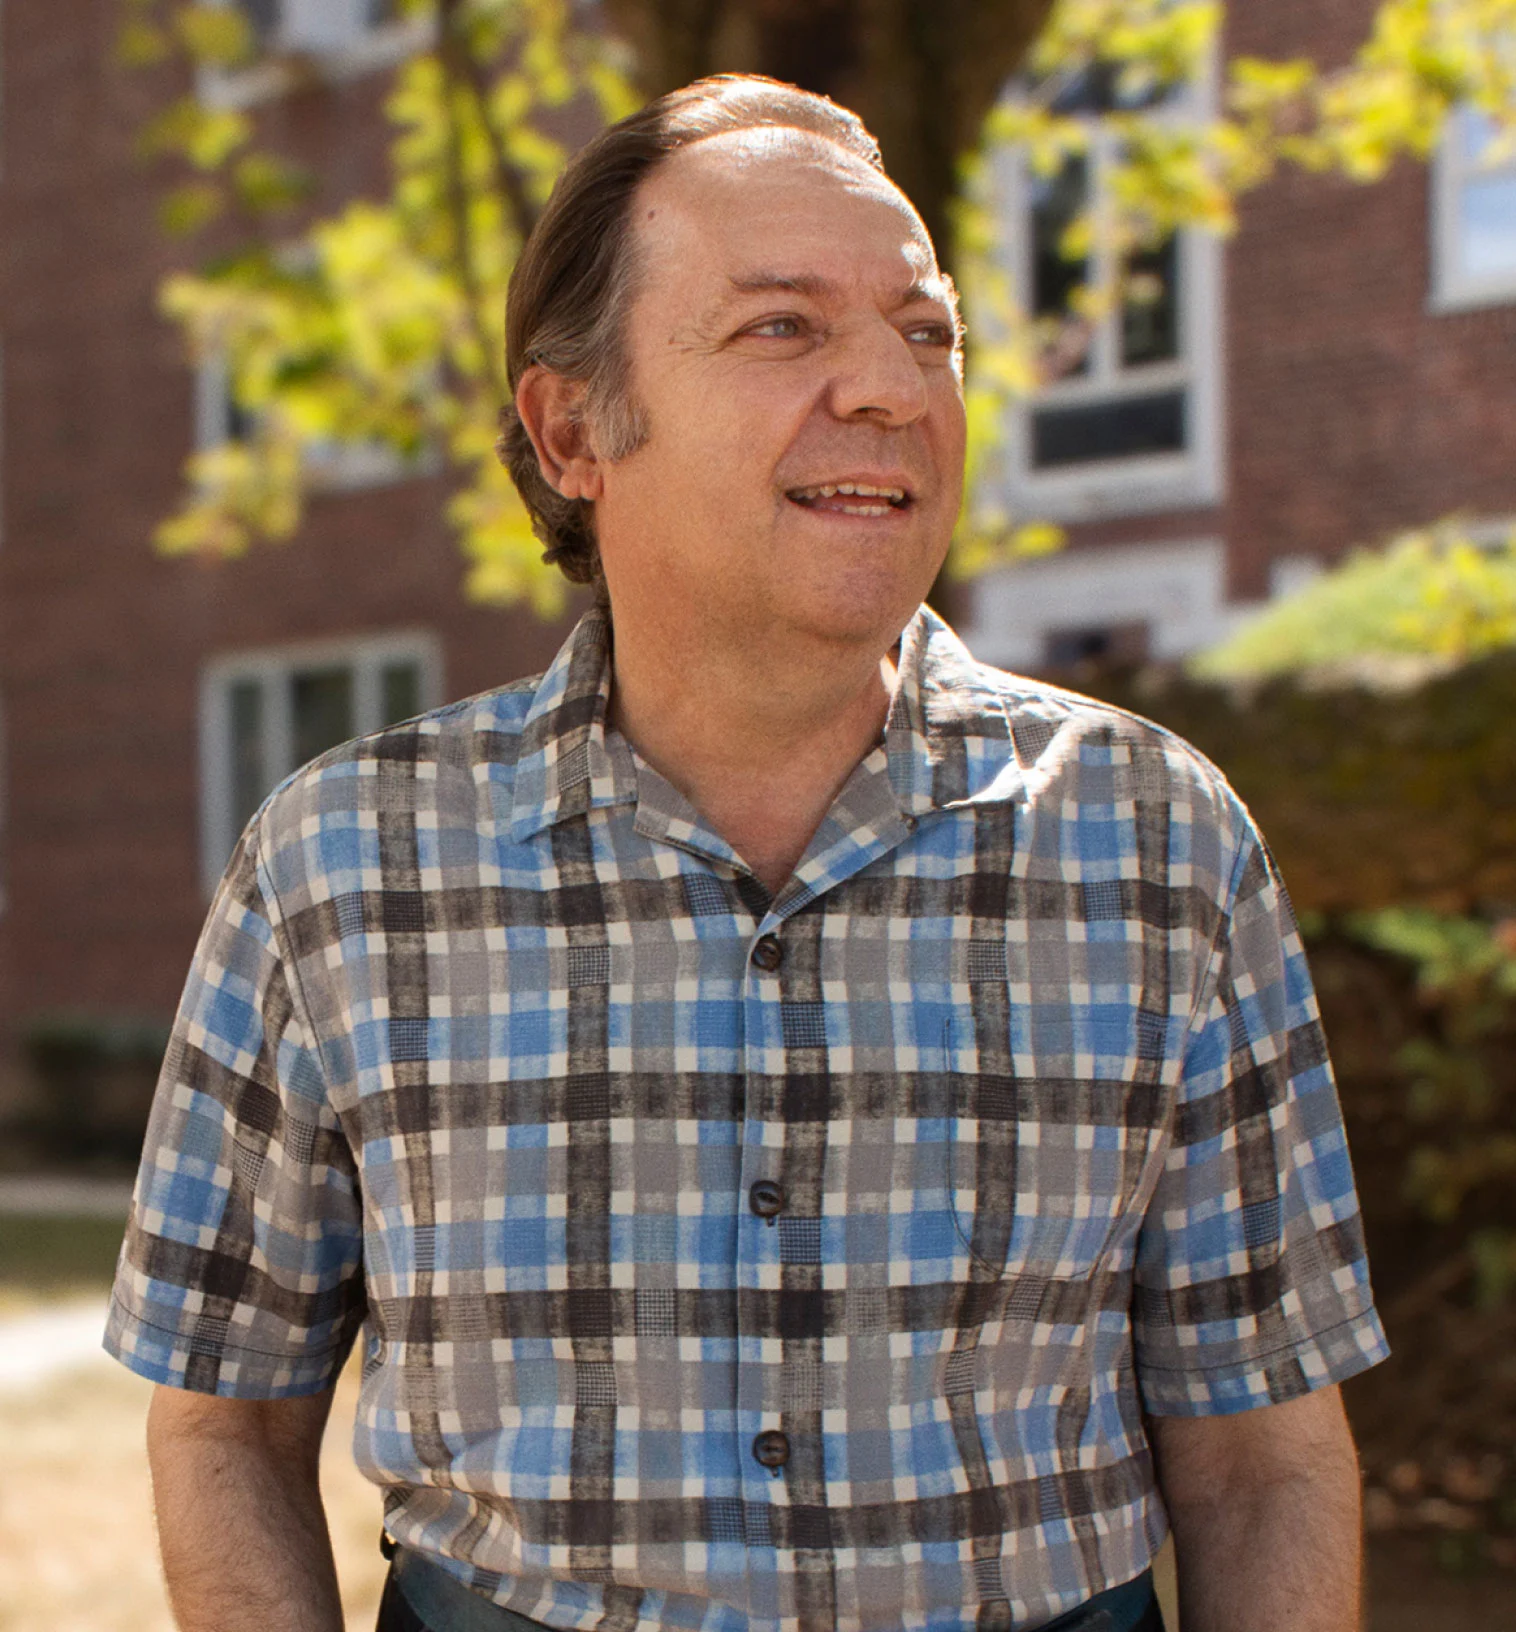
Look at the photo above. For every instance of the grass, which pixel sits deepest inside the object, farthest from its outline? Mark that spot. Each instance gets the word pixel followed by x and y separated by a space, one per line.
pixel 77 1547
pixel 78 1552
pixel 46 1260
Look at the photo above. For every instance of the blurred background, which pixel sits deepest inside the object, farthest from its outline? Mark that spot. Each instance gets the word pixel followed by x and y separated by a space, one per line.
pixel 1241 291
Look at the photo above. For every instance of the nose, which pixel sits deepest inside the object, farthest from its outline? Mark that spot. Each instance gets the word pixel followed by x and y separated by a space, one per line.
pixel 878 379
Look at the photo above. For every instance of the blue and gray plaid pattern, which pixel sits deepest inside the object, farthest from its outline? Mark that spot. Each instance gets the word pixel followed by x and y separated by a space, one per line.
pixel 489 1039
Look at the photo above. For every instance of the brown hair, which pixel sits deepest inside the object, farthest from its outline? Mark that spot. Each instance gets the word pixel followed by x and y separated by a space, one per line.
pixel 576 276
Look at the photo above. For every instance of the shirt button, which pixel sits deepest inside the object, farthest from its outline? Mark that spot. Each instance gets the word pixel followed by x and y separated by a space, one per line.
pixel 766 1198
pixel 771 1449
pixel 768 954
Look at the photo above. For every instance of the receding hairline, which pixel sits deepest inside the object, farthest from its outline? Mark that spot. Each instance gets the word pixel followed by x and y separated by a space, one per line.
pixel 931 283
pixel 771 143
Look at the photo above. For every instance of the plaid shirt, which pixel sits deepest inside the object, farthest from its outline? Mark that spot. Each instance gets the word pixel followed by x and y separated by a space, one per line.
pixel 723 1261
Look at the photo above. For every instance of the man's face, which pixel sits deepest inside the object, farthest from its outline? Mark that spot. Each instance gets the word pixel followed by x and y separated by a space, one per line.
pixel 791 340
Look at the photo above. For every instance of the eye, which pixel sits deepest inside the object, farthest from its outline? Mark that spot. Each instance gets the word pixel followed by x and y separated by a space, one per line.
pixel 941 335
pixel 785 326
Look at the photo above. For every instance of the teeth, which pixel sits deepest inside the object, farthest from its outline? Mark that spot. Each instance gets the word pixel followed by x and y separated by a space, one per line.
pixel 861 490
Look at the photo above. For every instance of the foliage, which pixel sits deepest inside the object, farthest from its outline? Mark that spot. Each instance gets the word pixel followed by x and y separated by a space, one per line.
pixel 381 323
pixel 378 324
pixel 1431 593
pixel 1457 1070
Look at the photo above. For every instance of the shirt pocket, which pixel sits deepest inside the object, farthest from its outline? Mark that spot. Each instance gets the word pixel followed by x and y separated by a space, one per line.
pixel 1045 1170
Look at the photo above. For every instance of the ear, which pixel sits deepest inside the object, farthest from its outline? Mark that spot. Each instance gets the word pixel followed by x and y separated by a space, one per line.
pixel 552 410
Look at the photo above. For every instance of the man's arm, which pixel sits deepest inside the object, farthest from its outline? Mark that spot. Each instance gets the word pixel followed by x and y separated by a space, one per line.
pixel 1265 1511
pixel 240 1522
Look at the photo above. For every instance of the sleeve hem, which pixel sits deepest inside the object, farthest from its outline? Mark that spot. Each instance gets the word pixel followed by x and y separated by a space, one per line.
pixel 169 1356
pixel 1316 1360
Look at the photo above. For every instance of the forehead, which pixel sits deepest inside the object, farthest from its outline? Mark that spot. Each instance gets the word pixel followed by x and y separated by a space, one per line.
pixel 781 199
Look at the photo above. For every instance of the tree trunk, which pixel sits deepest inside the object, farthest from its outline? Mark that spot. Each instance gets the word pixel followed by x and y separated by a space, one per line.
pixel 923 74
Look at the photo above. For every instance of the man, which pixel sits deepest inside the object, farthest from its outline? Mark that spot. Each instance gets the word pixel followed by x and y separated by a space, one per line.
pixel 814 1132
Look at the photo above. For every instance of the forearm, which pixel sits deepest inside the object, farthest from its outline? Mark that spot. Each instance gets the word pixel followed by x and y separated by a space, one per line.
pixel 241 1526
pixel 1279 1558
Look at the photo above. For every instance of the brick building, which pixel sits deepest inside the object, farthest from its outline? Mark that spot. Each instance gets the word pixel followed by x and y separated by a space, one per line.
pixel 1341 369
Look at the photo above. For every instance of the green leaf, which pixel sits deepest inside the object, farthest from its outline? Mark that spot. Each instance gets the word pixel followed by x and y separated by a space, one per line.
pixel 216 36
pixel 1429 595
pixel 207 137
pixel 187 209
pixel 141 44
pixel 264 183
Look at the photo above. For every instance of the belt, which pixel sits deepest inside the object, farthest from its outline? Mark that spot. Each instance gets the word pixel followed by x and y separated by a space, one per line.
pixel 1131 1607
pixel 446 1605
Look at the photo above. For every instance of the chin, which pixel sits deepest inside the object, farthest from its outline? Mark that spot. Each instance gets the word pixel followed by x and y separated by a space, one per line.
pixel 863 613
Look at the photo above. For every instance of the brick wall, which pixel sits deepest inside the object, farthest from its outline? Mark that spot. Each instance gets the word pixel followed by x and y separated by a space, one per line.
pixel 101 640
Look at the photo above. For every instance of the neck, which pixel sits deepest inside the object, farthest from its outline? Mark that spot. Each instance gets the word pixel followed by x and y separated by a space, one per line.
pixel 758 735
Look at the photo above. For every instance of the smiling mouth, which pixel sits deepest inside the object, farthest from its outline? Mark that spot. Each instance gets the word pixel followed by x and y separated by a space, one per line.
pixel 850 499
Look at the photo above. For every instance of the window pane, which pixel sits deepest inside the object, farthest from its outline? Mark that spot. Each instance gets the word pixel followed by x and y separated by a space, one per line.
pixel 322 706
pixel 1056 201
pixel 262 14
pixel 1150 316
pixel 241 423
pixel 399 691
pixel 1102 88
pixel 1107 644
pixel 250 779
pixel 1473 132
pixel 1124 429
pixel 1487 226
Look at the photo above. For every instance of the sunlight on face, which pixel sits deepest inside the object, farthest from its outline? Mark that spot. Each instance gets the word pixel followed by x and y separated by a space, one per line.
pixel 796 351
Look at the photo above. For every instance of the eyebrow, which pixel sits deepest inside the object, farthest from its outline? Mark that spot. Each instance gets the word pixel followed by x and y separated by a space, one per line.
pixel 817 287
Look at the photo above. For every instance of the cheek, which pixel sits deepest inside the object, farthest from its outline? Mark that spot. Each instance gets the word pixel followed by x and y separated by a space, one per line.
pixel 951 435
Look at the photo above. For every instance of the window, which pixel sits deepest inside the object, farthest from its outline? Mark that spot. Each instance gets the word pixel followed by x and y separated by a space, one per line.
pixel 345 37
pixel 1473 217
pixel 1131 422
pixel 314 26
pixel 329 466
pixel 264 714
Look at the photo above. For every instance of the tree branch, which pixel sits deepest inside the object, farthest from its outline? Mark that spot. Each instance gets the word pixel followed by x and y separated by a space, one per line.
pixel 463 71
pixel 458 204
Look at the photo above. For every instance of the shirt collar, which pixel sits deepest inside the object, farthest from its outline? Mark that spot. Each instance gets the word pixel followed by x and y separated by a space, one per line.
pixel 948 736
pixel 947 739
pixel 567 765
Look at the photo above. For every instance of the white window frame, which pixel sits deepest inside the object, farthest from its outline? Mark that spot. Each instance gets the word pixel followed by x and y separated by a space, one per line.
pixel 1454 289
pixel 1143 483
pixel 272 668
pixel 307 38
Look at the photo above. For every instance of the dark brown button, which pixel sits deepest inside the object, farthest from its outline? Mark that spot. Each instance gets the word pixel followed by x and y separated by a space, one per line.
pixel 768 954
pixel 771 1449
pixel 766 1198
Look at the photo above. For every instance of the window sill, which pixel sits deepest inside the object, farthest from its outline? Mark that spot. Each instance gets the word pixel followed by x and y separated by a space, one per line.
pixel 353 469
pixel 1472 297
pixel 1128 487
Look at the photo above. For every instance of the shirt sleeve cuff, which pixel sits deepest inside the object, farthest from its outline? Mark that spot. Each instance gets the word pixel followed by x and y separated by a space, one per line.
pixel 1315 1361
pixel 206 1363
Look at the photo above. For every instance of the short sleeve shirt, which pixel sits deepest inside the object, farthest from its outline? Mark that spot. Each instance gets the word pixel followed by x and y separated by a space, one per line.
pixel 723 1261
